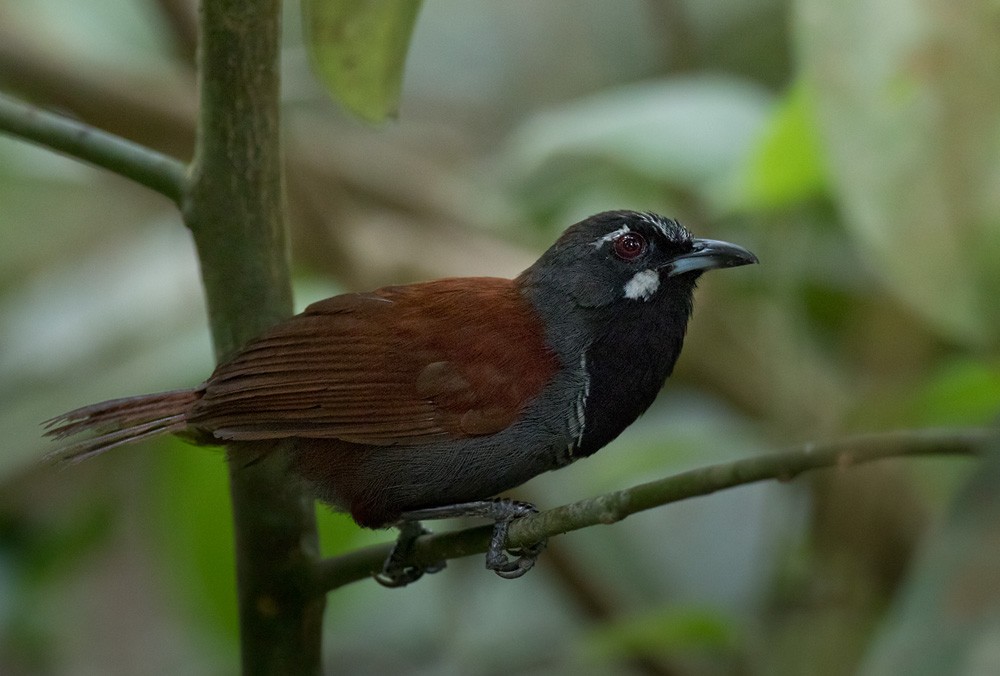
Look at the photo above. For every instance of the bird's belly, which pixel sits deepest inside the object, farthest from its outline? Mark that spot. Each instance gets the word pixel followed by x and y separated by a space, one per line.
pixel 375 484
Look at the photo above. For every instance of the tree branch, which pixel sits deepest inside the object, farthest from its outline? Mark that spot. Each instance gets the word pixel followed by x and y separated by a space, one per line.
pixel 235 209
pixel 613 507
pixel 147 167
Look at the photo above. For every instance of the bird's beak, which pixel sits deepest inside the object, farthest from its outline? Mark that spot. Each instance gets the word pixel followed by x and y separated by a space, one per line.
pixel 708 254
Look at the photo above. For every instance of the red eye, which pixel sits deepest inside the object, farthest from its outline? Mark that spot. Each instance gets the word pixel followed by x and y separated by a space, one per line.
pixel 629 246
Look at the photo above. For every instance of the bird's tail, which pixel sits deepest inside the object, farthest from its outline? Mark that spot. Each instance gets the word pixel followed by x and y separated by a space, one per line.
pixel 120 421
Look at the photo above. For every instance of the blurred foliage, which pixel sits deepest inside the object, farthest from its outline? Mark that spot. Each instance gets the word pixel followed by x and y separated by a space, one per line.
pixel 788 166
pixel 35 553
pixel 358 48
pixel 852 146
pixel 190 488
pixel 909 117
pixel 672 632
pixel 946 621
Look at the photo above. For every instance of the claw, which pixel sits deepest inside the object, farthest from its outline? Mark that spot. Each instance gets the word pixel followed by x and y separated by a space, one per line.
pixel 502 511
pixel 525 557
pixel 396 572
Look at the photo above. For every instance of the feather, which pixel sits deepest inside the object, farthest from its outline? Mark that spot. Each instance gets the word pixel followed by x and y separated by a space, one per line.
pixel 401 365
pixel 120 421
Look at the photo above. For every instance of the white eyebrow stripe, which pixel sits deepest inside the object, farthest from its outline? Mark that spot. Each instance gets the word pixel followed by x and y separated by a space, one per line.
pixel 601 241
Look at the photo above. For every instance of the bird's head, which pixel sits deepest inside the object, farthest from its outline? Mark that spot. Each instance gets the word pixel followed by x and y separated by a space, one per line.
pixel 614 294
pixel 627 257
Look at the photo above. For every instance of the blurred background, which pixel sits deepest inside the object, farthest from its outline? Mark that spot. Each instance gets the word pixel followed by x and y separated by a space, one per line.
pixel 852 146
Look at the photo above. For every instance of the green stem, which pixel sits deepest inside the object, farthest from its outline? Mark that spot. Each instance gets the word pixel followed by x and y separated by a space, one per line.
pixel 147 167
pixel 613 507
pixel 235 211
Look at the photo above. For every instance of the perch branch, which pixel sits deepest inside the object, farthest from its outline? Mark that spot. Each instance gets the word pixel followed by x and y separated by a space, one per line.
pixel 613 507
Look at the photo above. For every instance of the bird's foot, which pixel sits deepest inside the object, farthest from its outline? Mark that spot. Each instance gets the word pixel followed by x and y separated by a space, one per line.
pixel 497 558
pixel 396 571
pixel 503 512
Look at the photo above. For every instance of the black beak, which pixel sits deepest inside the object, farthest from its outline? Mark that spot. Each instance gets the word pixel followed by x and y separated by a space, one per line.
pixel 709 254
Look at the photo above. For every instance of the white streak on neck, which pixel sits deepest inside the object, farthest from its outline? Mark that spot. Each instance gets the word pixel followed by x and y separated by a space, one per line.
pixel 643 285
pixel 577 419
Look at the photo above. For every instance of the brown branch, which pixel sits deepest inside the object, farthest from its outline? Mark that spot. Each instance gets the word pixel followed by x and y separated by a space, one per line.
pixel 613 507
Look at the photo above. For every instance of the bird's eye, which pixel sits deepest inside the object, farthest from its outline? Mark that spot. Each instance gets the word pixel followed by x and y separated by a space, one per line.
pixel 629 245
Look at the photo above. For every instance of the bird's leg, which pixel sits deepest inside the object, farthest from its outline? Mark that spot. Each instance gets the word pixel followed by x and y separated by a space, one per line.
pixel 396 572
pixel 502 511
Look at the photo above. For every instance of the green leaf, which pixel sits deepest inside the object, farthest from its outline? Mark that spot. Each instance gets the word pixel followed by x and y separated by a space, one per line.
pixel 787 166
pixel 358 50
pixel 908 104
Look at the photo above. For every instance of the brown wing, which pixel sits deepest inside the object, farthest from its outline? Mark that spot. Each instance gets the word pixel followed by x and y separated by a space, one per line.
pixel 401 365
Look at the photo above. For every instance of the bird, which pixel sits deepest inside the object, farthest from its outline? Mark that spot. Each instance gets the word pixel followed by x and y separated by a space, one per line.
pixel 428 400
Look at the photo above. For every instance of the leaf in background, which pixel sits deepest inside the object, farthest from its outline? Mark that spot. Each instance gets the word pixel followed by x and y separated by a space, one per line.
pixel 787 167
pixel 93 326
pixel 907 99
pixel 358 50
pixel 666 632
pixel 194 516
pixel 962 392
pixel 691 133
pixel 338 534
pixel 947 617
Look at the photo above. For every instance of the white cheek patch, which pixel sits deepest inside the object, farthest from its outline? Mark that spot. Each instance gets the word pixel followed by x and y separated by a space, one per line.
pixel 643 285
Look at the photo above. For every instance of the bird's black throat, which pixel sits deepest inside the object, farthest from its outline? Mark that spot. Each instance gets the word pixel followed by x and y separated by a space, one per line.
pixel 628 362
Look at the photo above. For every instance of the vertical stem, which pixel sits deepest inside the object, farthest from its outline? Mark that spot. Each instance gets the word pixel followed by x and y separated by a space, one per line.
pixel 235 207
pixel 235 210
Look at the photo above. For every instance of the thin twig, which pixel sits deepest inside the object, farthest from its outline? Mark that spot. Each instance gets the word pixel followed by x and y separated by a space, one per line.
pixel 613 507
pixel 80 141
